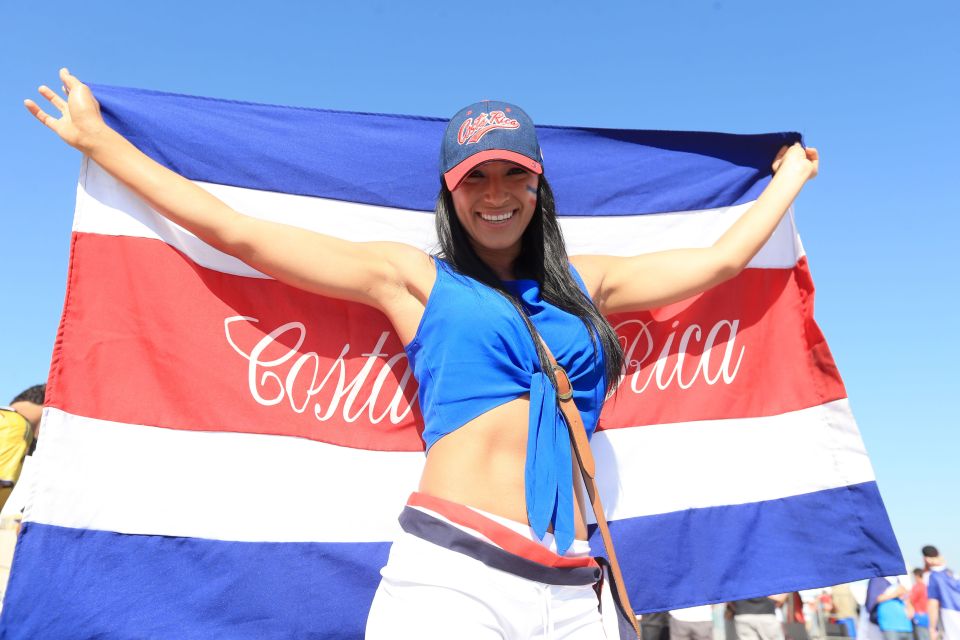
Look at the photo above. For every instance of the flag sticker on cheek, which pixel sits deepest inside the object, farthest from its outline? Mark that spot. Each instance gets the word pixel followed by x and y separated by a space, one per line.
pixel 533 191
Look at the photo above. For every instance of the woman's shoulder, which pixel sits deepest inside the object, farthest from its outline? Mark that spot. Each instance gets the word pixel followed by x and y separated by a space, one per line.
pixel 590 269
pixel 414 266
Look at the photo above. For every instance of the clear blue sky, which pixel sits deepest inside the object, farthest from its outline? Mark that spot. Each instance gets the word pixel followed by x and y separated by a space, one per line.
pixel 872 84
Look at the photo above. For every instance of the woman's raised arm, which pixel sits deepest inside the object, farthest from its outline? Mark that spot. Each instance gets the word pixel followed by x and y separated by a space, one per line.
pixel 379 274
pixel 652 280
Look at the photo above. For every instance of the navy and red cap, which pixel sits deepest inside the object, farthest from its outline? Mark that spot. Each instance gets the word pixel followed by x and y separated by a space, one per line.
pixel 484 131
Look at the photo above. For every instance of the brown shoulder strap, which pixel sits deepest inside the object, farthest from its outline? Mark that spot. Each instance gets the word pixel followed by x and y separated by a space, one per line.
pixel 581 447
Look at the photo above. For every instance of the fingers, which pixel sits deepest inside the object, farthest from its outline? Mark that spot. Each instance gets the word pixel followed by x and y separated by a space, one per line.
pixel 814 158
pixel 794 153
pixel 778 159
pixel 70 81
pixel 54 99
pixel 39 113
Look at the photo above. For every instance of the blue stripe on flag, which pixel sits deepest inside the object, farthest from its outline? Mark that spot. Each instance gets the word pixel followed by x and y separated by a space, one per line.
pixel 722 553
pixel 97 584
pixel 132 586
pixel 392 160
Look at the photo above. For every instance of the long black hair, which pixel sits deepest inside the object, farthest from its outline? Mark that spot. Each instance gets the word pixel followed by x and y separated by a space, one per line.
pixel 543 257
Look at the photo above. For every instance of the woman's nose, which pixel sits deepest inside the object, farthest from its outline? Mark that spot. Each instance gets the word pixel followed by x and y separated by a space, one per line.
pixel 495 191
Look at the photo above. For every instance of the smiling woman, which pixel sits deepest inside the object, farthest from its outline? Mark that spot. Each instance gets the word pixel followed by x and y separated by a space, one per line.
pixel 504 288
pixel 494 542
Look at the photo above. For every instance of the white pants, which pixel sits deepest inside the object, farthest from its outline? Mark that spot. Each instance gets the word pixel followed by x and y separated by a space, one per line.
pixel 430 593
pixel 758 626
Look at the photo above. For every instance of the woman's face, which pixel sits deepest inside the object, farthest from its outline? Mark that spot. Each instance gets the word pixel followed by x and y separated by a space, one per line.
pixel 495 203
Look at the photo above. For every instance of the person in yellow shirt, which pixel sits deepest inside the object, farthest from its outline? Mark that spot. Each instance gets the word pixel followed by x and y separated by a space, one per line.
pixel 19 424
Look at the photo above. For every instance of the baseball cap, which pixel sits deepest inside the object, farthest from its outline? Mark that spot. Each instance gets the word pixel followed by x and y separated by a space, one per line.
pixel 484 131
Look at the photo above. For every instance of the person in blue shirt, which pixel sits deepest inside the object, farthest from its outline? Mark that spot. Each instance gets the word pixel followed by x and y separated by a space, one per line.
pixel 943 596
pixel 887 608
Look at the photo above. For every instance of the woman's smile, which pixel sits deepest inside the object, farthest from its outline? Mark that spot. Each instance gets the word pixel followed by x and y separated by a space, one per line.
pixel 498 218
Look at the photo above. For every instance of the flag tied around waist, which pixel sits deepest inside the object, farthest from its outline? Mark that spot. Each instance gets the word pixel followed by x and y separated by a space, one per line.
pixel 226 456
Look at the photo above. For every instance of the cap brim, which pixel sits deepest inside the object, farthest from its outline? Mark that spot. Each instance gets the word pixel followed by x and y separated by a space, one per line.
pixel 455 176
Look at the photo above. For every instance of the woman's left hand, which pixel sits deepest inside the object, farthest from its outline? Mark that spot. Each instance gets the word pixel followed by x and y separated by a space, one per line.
pixel 656 279
pixel 797 158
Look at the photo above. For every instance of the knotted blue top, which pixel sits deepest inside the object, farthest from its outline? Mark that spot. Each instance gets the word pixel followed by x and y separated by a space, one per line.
pixel 472 352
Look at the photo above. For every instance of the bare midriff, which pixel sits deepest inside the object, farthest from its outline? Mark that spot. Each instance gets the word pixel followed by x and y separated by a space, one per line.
pixel 482 464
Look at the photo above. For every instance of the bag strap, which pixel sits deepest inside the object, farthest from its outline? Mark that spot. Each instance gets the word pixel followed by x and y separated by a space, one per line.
pixel 588 468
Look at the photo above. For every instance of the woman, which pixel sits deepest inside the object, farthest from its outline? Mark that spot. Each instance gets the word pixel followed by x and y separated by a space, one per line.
pixel 499 466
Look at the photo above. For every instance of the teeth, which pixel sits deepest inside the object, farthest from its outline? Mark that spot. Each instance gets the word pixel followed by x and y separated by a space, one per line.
pixel 497 217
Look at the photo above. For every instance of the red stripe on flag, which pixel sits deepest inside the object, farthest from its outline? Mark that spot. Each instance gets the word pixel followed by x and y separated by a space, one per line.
pixel 149 337
pixel 747 348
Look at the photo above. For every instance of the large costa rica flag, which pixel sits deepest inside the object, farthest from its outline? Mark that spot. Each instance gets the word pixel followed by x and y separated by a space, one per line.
pixel 224 456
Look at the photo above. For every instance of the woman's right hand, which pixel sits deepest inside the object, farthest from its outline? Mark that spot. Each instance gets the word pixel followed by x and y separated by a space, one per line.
pixel 80 121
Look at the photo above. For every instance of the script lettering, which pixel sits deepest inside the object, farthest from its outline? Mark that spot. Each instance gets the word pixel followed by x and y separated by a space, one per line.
pixel 473 129
pixel 679 363
pixel 332 393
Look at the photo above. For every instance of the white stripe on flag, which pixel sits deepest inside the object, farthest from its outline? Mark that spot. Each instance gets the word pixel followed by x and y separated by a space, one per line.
pixel 99 475
pixel 725 462
pixel 104 206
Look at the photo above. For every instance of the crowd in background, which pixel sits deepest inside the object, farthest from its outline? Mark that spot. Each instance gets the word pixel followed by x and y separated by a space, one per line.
pixel 881 609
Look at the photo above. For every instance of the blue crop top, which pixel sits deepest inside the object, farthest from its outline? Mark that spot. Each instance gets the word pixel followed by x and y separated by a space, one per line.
pixel 473 352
